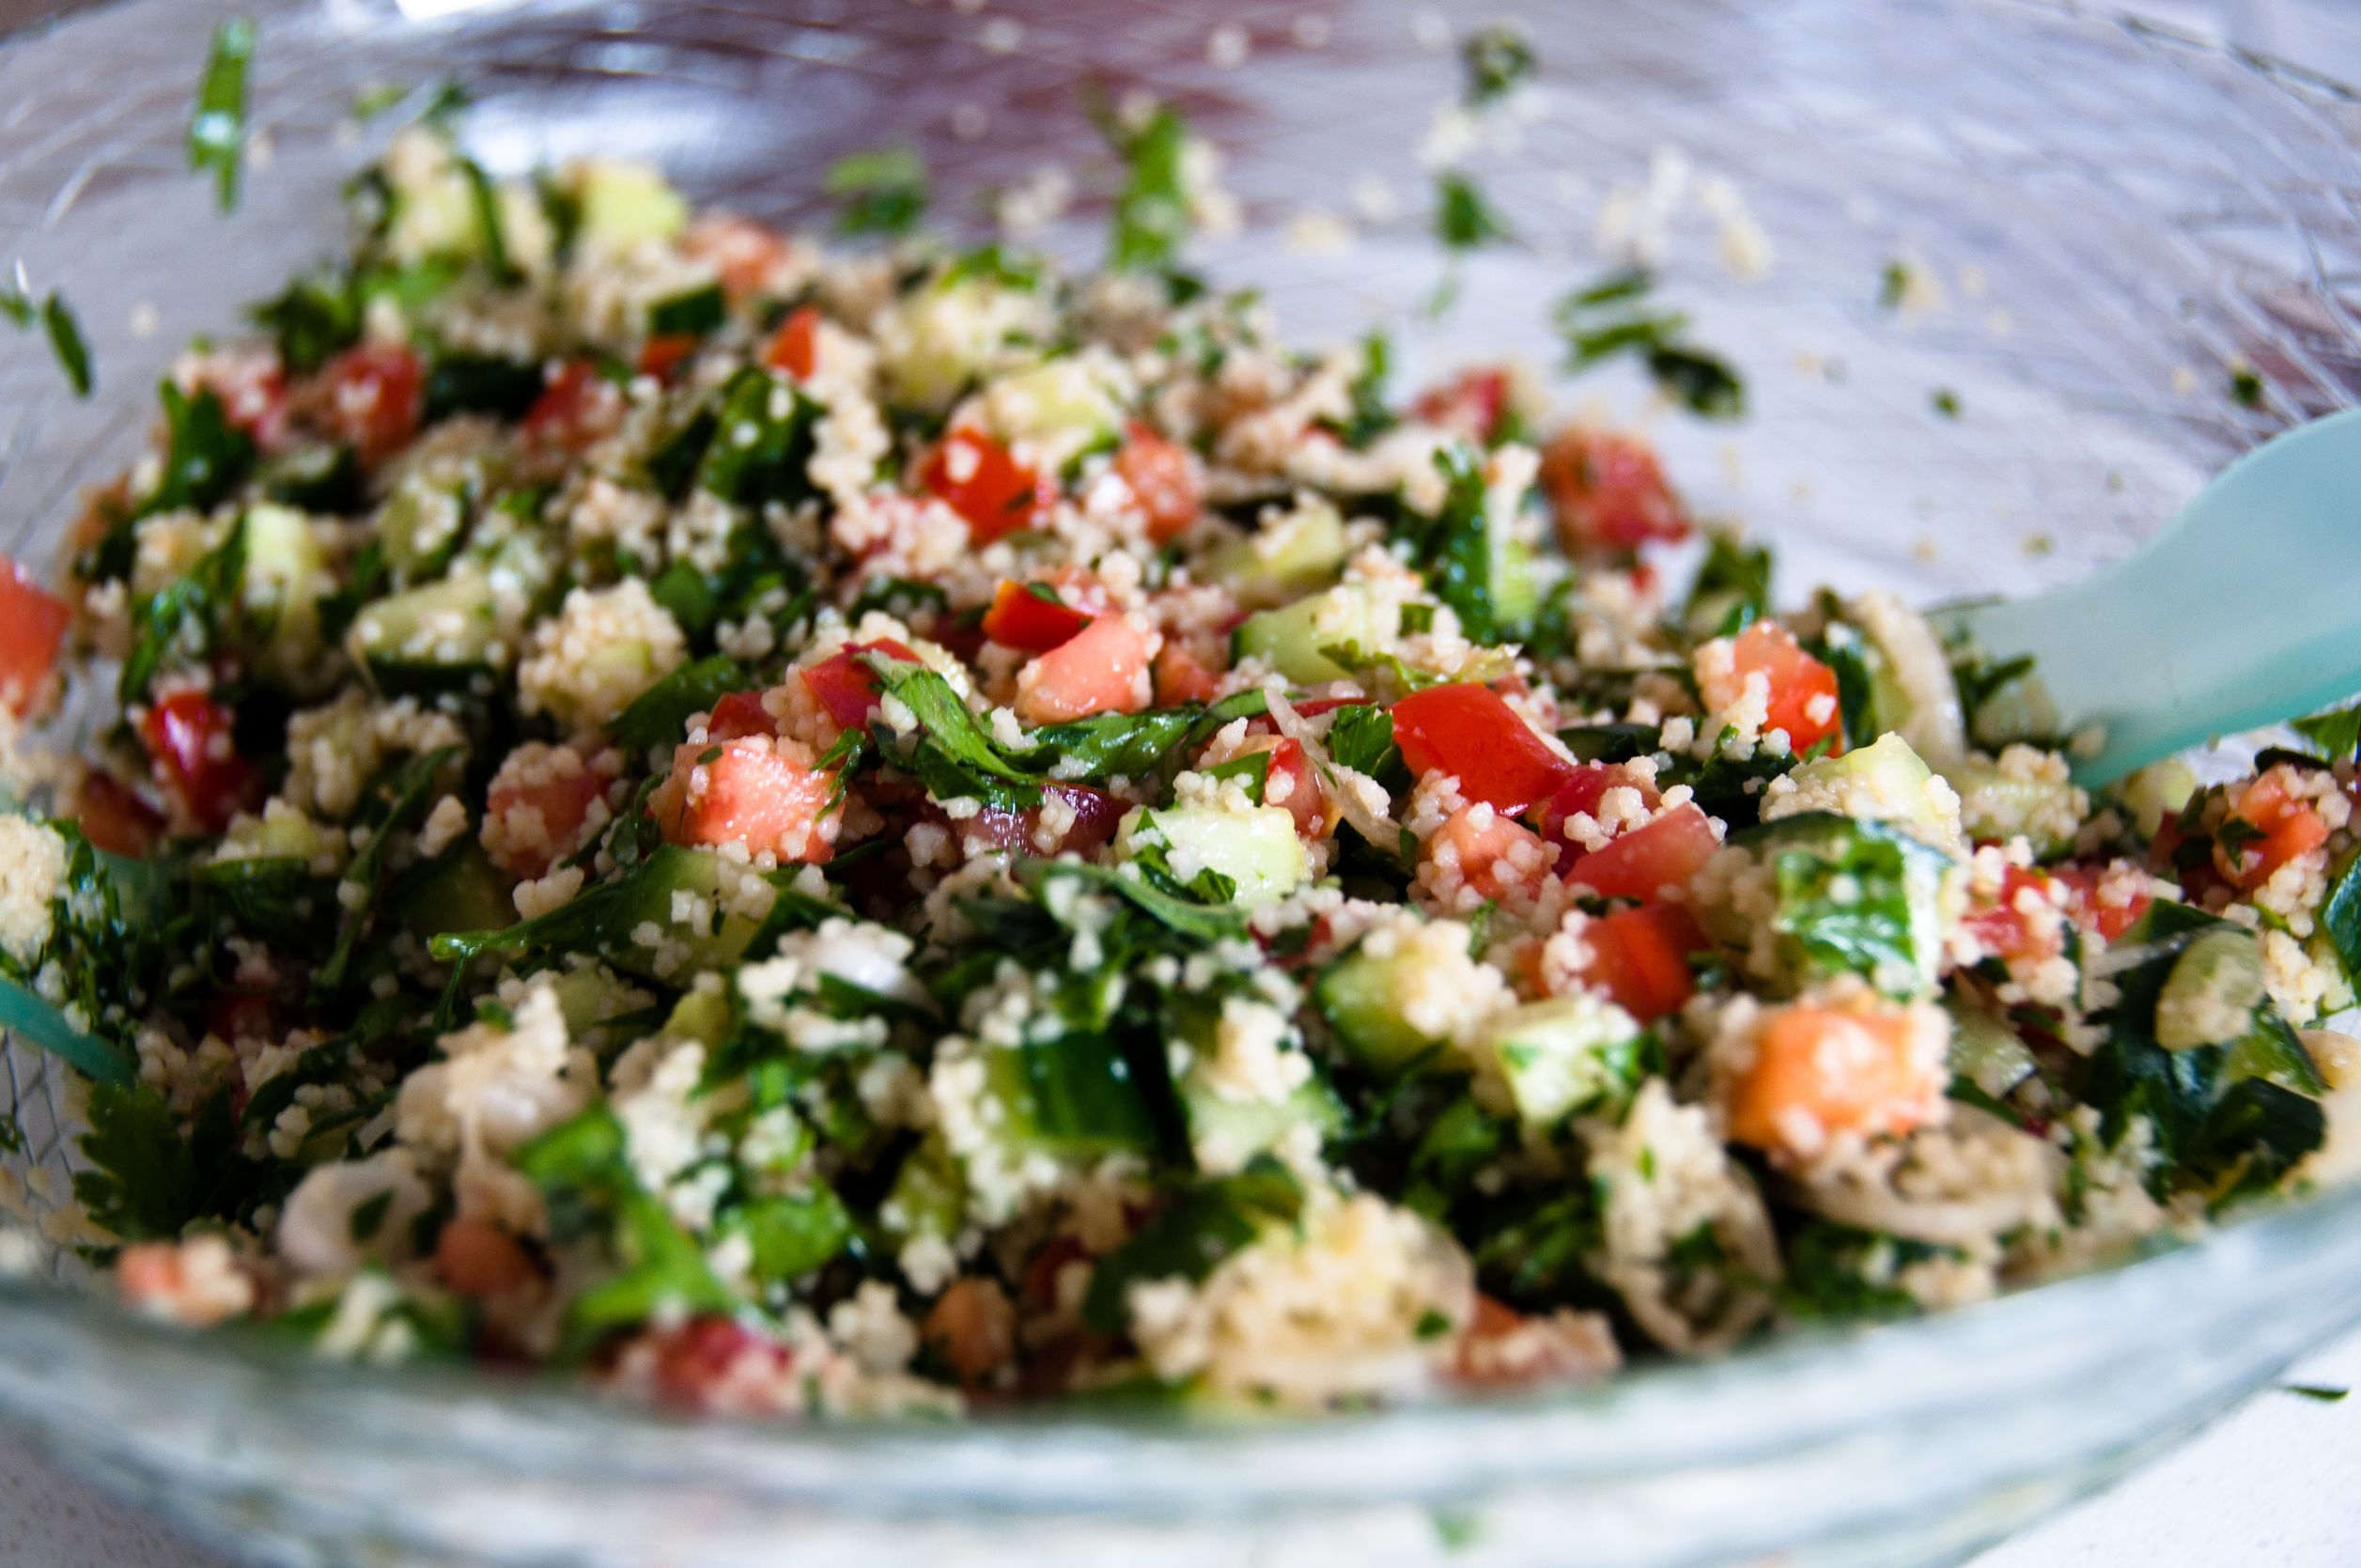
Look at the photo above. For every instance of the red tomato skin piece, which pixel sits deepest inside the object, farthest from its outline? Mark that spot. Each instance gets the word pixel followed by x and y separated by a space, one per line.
pixel 114 818
pixel 750 794
pixel 1020 619
pixel 577 407
pixel 1472 734
pixel 1163 477
pixel 737 715
pixel 33 623
pixel 1659 855
pixel 845 687
pixel 377 396
pixel 794 349
pixel 978 479
pixel 1608 493
pixel 1639 957
pixel 189 737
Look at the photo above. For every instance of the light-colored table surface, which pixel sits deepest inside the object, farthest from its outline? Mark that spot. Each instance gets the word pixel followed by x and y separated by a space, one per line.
pixel 2274 1483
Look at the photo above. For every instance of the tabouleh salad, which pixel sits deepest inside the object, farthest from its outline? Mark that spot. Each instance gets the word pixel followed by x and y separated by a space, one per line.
pixel 797 829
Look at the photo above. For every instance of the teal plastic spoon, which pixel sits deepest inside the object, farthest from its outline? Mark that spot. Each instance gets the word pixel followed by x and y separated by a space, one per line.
pixel 2244 611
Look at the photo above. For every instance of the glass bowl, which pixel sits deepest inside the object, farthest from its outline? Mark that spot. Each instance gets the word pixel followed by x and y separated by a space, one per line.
pixel 2107 223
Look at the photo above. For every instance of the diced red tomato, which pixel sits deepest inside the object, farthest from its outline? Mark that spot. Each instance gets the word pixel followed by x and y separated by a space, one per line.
pixel 33 623
pixel 794 349
pixel 477 1259
pixel 1803 691
pixel 1469 404
pixel 2007 929
pixel 1289 780
pixel 1020 617
pixel 251 386
pixel 577 407
pixel 1639 958
pixel 2092 912
pixel 844 684
pixel 2288 825
pixel 192 740
pixel 739 714
pixel 697 1363
pixel 1496 855
pixel 764 795
pixel 740 251
pixel 665 354
pixel 376 397
pixel 1503 1348
pixel 1103 669
pixel 540 805
pixel 1180 676
pixel 114 818
pixel 243 1015
pixel 982 481
pixel 1163 477
pixel 1607 492
pixel 1821 1070
pixel 1470 733
pixel 1659 856
pixel 1585 792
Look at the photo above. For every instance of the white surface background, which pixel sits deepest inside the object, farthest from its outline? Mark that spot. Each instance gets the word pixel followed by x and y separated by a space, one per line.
pixel 2276 1483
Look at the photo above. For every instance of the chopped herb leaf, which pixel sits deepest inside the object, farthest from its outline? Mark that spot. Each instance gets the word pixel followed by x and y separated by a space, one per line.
pixel 1462 219
pixel 883 191
pixel 1493 62
pixel 217 132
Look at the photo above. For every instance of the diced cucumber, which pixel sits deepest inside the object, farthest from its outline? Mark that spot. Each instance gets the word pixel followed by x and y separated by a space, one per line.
pixel 420 526
pixel 314 476
pixel 1290 554
pixel 285 574
pixel 2211 996
pixel 459 890
pixel 1257 849
pixel 442 630
pixel 1882 782
pixel 1240 1128
pixel 1986 1052
pixel 700 1016
pixel 940 339
pixel 1566 1055
pixel 1995 805
pixel 929 1195
pixel 1062 406
pixel 430 205
pixel 1362 997
pixel 277 833
pixel 1290 640
pixel 2156 792
pixel 1853 897
pixel 619 203
pixel 2018 709
pixel 704 936
pixel 591 994
pixel 1069 1097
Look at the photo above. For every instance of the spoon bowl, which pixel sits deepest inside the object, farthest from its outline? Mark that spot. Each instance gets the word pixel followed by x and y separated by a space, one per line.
pixel 2240 613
